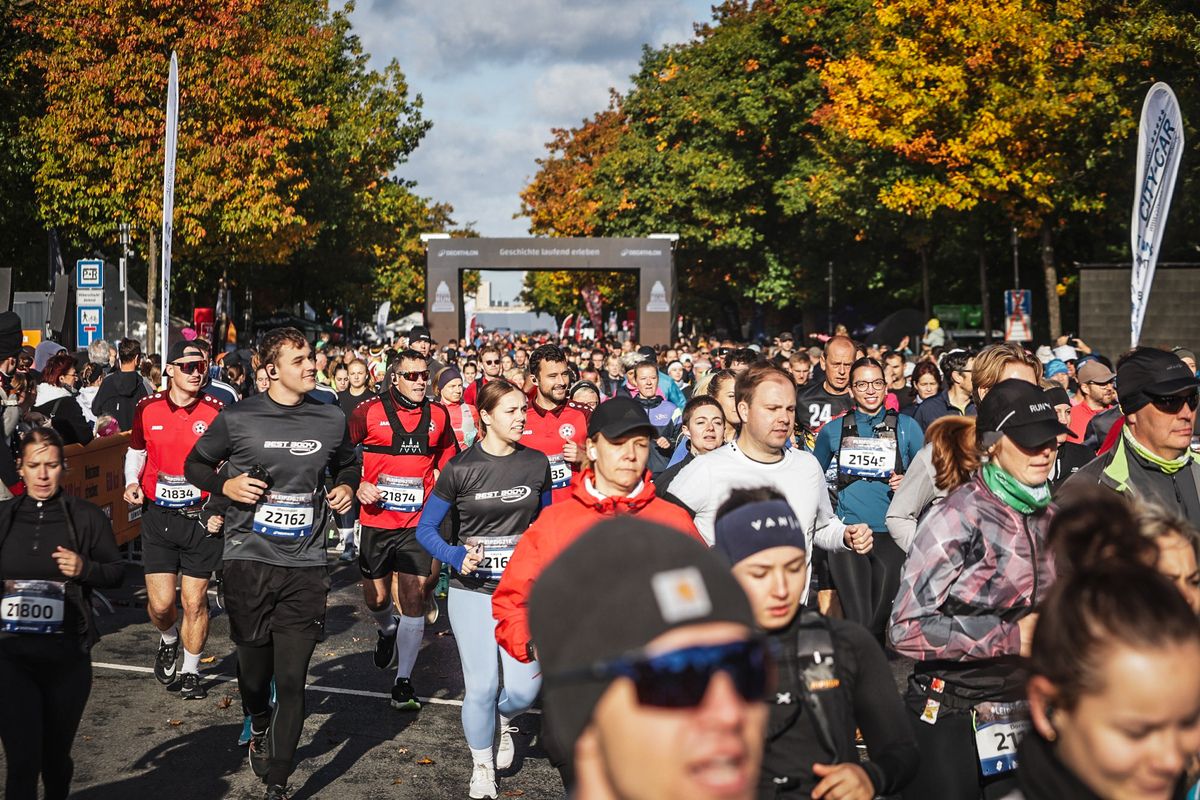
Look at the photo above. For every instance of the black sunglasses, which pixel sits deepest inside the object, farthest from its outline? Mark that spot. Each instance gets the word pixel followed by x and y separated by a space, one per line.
pixel 1173 403
pixel 191 367
pixel 680 678
pixel 412 376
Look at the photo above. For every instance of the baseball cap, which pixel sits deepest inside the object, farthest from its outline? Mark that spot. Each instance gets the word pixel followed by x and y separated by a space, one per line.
pixel 1056 367
pixel 1066 352
pixel 614 590
pixel 1184 352
pixel 617 417
pixel 646 351
pixel 1094 371
pixel 1021 411
pixel 419 334
pixel 183 349
pixel 1146 373
pixel 1045 354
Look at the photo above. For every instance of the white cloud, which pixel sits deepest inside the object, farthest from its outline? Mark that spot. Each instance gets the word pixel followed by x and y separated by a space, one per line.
pixel 574 91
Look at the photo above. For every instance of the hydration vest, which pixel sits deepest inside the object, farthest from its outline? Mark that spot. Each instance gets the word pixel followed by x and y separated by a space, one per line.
pixel 850 429
pixel 405 443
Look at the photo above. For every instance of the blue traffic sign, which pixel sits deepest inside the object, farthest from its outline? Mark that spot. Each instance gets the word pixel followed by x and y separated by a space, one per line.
pixel 89 274
pixel 1018 301
pixel 89 324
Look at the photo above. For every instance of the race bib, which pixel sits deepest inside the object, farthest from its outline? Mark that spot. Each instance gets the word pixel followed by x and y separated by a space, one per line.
pixel 867 458
pixel 497 550
pixel 174 491
pixel 401 494
pixel 284 516
pixel 560 472
pixel 999 728
pixel 32 606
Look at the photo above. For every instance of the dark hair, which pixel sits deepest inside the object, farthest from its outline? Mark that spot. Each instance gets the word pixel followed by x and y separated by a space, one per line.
pixel 889 355
pixel 274 340
pixel 491 394
pixel 699 400
pixel 755 375
pixel 547 352
pixel 1110 596
pixel 128 350
pixel 926 368
pixel 91 373
pixel 715 380
pixel 743 355
pixel 646 363
pixel 741 497
pixel 46 436
pixel 954 362
pixel 863 363
pixel 56 367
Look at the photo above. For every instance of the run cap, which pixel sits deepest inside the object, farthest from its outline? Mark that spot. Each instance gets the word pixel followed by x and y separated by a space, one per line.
pixel 757 526
pixel 10 334
pixel 1058 396
pixel 614 590
pixel 1021 411
pixel 1148 372
pixel 1056 367
pixel 617 417
pixel 1093 371
pixel 183 349
pixel 420 334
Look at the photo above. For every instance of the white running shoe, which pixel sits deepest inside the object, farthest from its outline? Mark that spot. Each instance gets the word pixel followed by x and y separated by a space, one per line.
pixel 504 753
pixel 483 782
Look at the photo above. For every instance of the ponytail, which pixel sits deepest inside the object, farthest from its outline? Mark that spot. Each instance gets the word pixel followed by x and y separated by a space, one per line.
pixel 956 454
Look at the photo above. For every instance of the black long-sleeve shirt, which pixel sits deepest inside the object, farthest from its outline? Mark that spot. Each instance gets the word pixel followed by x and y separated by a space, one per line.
pixel 33 529
pixel 294 444
pixel 867 683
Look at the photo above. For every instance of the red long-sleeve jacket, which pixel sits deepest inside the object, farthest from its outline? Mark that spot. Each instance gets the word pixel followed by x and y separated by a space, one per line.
pixel 557 527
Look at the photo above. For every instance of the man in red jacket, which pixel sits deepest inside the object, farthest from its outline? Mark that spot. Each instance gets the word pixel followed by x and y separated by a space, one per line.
pixel 613 481
pixel 555 425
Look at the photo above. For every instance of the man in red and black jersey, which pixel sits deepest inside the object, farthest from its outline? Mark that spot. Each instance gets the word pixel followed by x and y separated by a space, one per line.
pixel 489 359
pixel 406 439
pixel 165 427
pixel 555 425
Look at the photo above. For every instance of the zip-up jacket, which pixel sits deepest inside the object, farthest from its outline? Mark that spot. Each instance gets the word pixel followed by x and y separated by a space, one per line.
pixel 976 567
pixel 1123 471
pixel 556 528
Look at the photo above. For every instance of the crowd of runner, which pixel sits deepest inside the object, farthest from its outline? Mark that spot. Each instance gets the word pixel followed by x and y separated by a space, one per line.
pixel 699 560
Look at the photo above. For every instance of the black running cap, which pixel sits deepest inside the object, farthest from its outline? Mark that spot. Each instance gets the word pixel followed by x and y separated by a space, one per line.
pixel 617 417
pixel 1148 372
pixel 1021 411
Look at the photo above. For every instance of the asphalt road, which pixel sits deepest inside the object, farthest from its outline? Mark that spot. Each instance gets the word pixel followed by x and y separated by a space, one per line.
pixel 138 740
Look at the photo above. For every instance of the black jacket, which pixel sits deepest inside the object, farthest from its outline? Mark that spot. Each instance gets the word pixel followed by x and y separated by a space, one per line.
pixel 67 418
pixel 1123 471
pixel 118 396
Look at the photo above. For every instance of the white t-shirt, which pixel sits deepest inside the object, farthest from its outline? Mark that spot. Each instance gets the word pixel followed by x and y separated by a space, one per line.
pixel 706 483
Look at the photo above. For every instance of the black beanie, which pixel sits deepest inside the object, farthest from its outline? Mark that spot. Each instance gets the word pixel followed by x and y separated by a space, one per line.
pixel 618 587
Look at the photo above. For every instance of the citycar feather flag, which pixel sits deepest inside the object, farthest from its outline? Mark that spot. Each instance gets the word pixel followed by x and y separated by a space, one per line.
pixel 1160 146
pixel 169 195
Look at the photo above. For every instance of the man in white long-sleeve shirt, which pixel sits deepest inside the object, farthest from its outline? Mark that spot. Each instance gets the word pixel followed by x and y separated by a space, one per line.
pixel 766 407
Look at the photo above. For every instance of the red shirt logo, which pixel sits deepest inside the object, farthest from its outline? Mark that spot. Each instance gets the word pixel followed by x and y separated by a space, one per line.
pixel 200 427
pixel 566 431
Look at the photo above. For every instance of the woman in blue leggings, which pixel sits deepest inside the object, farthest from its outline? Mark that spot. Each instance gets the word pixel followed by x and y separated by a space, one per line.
pixel 491 492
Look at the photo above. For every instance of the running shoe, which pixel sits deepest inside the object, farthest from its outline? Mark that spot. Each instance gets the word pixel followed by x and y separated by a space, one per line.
pixel 483 782
pixel 260 752
pixel 192 688
pixel 277 792
pixel 385 650
pixel 350 554
pixel 164 662
pixel 404 698
pixel 506 750
pixel 432 612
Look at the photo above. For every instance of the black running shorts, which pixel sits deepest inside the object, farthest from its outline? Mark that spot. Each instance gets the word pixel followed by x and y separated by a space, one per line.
pixel 382 552
pixel 174 543
pixel 262 599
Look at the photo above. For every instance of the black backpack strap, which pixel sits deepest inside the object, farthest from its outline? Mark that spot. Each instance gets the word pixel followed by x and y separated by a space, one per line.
pixel 822 689
pixel 399 434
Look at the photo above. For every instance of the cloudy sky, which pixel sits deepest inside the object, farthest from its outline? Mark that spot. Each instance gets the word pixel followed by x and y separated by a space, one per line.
pixel 497 75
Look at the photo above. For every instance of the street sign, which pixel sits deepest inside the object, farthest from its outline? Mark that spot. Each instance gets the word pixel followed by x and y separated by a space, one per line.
pixel 89 274
pixel 89 324
pixel 1018 313
pixel 89 297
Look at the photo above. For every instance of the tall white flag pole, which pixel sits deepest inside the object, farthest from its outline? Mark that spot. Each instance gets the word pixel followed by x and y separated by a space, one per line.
pixel 168 203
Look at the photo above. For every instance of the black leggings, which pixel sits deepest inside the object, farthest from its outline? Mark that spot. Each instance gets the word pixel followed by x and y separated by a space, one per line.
pixel 867 585
pixel 949 766
pixel 285 658
pixel 46 686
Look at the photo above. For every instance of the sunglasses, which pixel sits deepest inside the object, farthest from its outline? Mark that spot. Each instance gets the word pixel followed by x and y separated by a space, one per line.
pixel 680 678
pixel 191 367
pixel 423 375
pixel 1173 403
pixel 492 361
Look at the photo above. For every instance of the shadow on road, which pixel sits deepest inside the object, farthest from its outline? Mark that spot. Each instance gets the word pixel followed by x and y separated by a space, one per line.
pixel 194 765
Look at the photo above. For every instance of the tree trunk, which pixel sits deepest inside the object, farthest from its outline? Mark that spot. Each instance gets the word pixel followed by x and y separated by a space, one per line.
pixel 1051 276
pixel 924 251
pixel 983 293
pixel 151 294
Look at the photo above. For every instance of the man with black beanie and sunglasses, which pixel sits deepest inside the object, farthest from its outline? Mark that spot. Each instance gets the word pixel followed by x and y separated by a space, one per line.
pixel 653 677
pixel 1158 395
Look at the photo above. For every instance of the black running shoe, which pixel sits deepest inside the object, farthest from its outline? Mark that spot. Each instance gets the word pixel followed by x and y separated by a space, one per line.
pixel 260 752
pixel 277 792
pixel 192 688
pixel 403 696
pixel 164 662
pixel 385 650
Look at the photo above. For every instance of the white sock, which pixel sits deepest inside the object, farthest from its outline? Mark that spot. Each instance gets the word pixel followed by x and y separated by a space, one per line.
pixel 170 635
pixel 482 756
pixel 504 722
pixel 408 644
pixel 191 662
pixel 385 620
pixel 347 536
